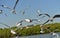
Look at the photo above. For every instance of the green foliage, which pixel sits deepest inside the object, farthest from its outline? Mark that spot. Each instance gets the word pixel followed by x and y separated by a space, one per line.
pixel 33 30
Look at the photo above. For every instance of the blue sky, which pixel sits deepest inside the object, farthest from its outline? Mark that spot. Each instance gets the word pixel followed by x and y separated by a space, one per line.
pixel 52 7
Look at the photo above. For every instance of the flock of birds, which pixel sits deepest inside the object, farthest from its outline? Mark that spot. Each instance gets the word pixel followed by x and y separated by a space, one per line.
pixel 12 10
pixel 31 20
pixel 19 24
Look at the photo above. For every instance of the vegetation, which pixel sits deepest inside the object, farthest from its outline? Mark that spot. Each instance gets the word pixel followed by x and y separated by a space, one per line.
pixel 33 30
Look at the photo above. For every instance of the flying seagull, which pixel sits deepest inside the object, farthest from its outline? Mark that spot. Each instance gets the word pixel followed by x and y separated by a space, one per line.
pixel 4 6
pixel 12 10
pixel 44 16
pixel 31 20
pixel 42 31
pixel 51 19
pixel 13 32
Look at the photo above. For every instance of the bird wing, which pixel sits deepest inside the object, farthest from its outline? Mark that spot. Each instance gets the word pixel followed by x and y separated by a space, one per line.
pixel 46 22
pixel 40 14
pixel 56 16
pixel 47 15
pixel 15 4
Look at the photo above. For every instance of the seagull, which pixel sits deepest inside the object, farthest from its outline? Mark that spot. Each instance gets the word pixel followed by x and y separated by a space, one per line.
pixel 51 19
pixel 55 35
pixel 47 16
pixel 4 6
pixel 39 13
pixel 31 20
pixel 28 20
pixel 44 22
pixel 12 10
pixel 44 16
pixel 19 23
pixel 42 31
pixel 13 32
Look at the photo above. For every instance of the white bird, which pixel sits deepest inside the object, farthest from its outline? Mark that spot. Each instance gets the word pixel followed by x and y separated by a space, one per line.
pixel 13 32
pixel 55 35
pixel 42 31
pixel 19 23
pixel 51 19
pixel 4 6
pixel 12 10
pixel 31 20
pixel 28 20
